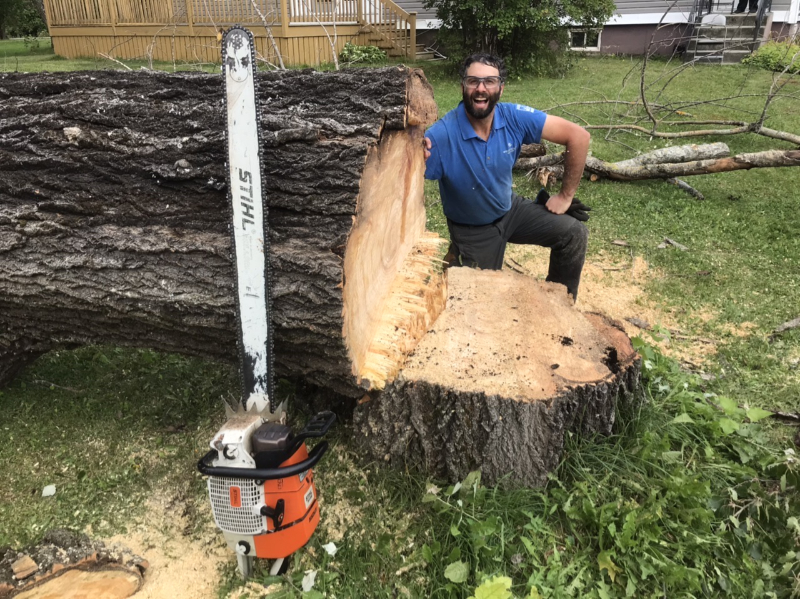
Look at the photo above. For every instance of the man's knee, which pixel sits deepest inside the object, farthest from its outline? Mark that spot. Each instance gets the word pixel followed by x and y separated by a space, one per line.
pixel 575 239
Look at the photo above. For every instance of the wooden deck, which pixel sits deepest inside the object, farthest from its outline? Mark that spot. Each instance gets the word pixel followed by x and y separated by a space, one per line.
pixel 189 30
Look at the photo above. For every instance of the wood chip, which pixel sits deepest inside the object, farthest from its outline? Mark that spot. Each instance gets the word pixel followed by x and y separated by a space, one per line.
pixel 24 567
pixel 621 243
pixel 674 243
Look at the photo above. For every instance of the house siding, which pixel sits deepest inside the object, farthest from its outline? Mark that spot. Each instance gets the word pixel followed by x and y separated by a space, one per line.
pixel 635 39
pixel 633 7
pixel 417 6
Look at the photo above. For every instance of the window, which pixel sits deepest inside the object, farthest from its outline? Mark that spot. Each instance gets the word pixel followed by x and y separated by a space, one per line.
pixel 587 40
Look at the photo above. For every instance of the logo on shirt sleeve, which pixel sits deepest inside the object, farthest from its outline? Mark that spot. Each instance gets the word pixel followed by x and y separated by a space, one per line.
pixel 525 108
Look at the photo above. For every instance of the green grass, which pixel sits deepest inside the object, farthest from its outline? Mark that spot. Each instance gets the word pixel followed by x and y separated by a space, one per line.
pixel 693 496
pixel 26 57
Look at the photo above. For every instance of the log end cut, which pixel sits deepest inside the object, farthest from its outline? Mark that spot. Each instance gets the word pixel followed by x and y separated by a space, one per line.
pixel 507 370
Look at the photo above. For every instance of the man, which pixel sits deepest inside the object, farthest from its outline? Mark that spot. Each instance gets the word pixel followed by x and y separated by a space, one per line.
pixel 471 151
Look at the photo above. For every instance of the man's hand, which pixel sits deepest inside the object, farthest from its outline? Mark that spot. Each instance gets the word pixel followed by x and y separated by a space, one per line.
pixel 427 148
pixel 576 209
pixel 558 204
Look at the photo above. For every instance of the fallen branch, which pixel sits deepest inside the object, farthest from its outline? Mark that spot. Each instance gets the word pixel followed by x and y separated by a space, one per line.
pixel 687 188
pixel 597 168
pixel 664 155
pixel 786 326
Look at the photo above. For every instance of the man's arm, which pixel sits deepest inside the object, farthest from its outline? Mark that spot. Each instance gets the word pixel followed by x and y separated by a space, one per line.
pixel 576 140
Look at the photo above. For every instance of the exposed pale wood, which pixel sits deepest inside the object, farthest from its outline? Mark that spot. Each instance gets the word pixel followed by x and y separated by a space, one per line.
pixel 103 582
pixel 508 369
pixel 612 170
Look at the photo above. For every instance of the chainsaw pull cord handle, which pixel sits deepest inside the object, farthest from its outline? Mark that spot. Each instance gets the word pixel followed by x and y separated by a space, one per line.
pixel 314 456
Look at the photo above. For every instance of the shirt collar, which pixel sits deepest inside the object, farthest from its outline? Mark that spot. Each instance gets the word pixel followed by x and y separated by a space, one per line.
pixel 467 132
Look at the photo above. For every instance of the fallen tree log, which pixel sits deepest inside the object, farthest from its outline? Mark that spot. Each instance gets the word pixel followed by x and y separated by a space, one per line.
pixel 113 217
pixel 113 229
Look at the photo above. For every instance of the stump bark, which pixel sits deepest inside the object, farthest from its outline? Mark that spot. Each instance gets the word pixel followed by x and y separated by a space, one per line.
pixel 114 229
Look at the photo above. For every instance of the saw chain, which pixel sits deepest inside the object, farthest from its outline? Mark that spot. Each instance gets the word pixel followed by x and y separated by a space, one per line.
pixel 248 223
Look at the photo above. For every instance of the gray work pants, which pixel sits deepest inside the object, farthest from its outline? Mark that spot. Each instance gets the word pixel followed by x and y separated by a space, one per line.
pixel 483 246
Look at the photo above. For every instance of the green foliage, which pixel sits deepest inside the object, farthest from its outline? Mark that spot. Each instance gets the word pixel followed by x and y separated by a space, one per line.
pixel 19 18
pixel 531 36
pixel 687 499
pixel 352 53
pixel 776 56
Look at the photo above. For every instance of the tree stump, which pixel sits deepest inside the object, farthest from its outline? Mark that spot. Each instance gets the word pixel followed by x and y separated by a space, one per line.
pixel 70 566
pixel 508 369
pixel 114 229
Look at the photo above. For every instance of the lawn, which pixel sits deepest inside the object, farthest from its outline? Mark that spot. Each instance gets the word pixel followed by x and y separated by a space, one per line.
pixel 695 495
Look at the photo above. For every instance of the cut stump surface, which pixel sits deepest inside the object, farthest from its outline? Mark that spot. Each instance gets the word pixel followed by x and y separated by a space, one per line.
pixel 505 372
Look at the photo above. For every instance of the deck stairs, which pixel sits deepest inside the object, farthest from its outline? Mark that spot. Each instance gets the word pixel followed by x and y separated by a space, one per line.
pixel 725 38
pixel 395 44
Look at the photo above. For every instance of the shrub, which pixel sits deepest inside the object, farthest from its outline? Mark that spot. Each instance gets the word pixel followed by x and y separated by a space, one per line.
pixel 352 53
pixel 776 56
pixel 531 35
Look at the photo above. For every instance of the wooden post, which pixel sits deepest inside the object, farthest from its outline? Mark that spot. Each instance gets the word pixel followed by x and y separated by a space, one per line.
pixel 112 13
pixel 190 17
pixel 360 12
pixel 284 12
pixel 412 21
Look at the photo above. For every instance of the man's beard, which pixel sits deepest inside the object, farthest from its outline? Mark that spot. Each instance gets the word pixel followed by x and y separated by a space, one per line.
pixel 482 112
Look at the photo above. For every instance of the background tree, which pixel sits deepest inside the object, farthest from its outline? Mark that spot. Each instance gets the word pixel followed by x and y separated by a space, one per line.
pixel 529 34
pixel 21 18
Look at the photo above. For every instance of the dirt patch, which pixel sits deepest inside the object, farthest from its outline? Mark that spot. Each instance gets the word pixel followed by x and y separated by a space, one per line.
pixel 182 565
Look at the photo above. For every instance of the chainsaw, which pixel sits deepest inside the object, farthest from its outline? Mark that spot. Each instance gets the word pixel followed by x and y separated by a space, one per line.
pixel 261 482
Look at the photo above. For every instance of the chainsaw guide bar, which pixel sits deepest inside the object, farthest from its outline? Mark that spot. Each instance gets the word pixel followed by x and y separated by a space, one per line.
pixel 249 227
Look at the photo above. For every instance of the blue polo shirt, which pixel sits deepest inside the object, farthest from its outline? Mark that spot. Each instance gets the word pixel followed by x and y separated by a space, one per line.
pixel 475 175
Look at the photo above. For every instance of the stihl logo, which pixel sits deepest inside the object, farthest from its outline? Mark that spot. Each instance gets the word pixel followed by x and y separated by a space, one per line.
pixel 247 198
pixel 236 497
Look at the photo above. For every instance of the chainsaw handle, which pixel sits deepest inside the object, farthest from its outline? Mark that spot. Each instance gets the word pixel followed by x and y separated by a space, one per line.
pixel 316 427
pixel 314 456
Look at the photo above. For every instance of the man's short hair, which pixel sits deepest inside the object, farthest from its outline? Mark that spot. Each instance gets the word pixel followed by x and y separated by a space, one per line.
pixel 487 59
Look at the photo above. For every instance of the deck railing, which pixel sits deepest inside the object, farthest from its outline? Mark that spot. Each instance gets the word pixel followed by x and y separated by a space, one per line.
pixel 388 22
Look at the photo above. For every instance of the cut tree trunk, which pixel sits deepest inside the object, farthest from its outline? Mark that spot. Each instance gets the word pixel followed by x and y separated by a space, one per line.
pixel 114 218
pixel 113 229
pixel 507 371
pixel 70 566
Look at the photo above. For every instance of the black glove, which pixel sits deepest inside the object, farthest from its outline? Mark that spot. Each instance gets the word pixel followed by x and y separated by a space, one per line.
pixel 577 210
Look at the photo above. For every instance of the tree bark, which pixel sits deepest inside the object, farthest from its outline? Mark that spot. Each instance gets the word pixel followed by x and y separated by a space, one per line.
pixel 114 218
pixel 499 389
